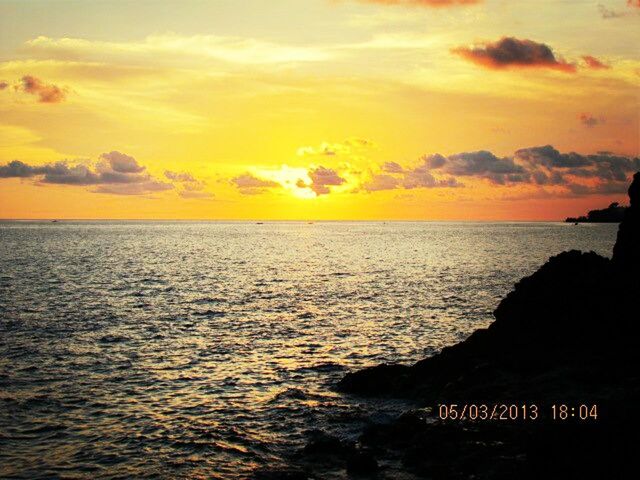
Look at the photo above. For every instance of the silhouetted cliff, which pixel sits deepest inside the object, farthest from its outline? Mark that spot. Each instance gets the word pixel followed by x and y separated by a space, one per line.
pixel 614 213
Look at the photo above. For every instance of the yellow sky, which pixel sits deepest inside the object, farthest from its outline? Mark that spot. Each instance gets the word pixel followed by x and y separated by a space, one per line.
pixel 317 109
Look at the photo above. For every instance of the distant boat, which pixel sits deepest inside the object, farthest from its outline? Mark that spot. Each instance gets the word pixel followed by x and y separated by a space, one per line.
pixel 259 223
pixel 54 221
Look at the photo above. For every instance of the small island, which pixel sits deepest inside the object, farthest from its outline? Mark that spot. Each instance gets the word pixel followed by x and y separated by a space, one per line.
pixel 614 213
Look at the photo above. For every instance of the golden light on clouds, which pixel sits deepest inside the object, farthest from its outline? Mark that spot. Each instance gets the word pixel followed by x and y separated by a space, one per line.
pixel 334 110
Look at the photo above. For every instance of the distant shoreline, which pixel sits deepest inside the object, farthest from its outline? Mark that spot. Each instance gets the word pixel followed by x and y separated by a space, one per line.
pixel 614 213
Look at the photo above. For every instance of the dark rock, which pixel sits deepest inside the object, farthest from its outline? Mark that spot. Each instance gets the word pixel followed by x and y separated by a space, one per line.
pixel 281 474
pixel 375 380
pixel 322 443
pixel 626 252
pixel 614 213
pixel 361 463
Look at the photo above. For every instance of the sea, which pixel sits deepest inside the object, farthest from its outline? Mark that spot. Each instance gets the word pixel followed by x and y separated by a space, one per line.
pixel 212 349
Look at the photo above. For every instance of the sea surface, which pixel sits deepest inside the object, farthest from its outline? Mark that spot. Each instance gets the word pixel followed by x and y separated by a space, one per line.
pixel 208 349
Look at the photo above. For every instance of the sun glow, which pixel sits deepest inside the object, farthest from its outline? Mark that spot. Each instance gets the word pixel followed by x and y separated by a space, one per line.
pixel 291 179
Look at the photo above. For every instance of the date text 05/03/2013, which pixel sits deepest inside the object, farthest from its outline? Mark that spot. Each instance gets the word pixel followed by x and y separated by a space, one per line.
pixel 514 412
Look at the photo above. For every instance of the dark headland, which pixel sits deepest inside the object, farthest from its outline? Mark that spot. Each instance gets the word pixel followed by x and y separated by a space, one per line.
pixel 566 335
pixel 614 213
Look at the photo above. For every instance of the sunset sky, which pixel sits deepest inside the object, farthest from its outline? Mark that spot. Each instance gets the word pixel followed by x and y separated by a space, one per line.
pixel 317 109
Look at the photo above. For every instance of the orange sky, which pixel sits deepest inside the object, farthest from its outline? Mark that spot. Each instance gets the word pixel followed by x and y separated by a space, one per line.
pixel 317 109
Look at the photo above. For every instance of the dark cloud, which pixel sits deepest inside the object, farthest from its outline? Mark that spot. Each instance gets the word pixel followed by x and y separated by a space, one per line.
pixel 543 166
pixel 249 184
pixel 594 64
pixel 434 161
pixel 322 178
pixel 482 164
pixel 425 3
pixel 549 157
pixel 509 52
pixel 46 93
pixel 590 121
pixel 550 167
pixel 116 173
pixel 122 163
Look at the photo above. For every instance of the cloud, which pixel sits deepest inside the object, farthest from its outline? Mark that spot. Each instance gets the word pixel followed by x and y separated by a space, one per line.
pixel 569 174
pixel 608 13
pixel 348 147
pixel 249 184
pixel 191 187
pixel 3 85
pixel 141 188
pixel 122 163
pixel 115 173
pixel 425 3
pixel 382 182
pixel 483 164
pixel 322 178
pixel 179 177
pixel 191 194
pixel 392 167
pixel 176 48
pixel 509 52
pixel 46 93
pixel 594 64
pixel 549 166
pixel 410 178
pixel 590 121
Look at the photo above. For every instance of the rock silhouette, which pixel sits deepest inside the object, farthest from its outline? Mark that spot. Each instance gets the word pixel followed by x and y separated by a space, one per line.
pixel 614 213
pixel 578 310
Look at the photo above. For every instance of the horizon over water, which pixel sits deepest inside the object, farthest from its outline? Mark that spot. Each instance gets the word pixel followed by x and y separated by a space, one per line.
pixel 141 348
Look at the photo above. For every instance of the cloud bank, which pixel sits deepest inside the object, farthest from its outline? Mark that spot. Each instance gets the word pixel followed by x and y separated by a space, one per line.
pixel 115 173
pixel 541 166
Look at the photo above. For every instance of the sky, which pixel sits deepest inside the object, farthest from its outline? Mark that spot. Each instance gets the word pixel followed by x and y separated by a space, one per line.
pixel 317 109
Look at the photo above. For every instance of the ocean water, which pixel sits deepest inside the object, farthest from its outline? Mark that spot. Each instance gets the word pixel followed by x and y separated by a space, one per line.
pixel 205 350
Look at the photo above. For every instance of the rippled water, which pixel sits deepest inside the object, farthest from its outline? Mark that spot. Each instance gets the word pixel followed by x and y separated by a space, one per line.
pixel 206 349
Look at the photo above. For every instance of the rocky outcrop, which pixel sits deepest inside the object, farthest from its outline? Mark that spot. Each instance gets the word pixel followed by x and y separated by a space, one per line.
pixel 626 252
pixel 578 312
pixel 614 213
